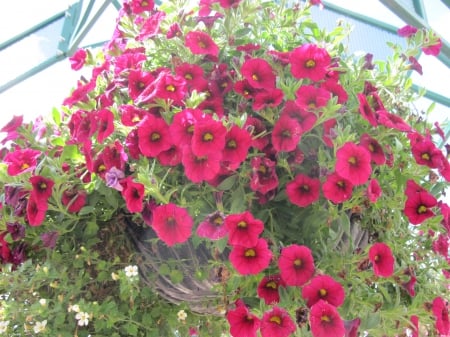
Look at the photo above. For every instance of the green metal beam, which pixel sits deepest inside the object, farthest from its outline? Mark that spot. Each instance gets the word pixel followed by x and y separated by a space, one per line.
pixel 446 2
pixel 32 30
pixel 438 98
pixel 420 9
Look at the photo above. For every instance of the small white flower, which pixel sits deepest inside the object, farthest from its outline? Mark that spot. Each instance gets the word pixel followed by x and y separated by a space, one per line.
pixel 3 326
pixel 131 271
pixel 181 315
pixel 82 318
pixel 43 302
pixel 114 276
pixel 74 308
pixel 39 326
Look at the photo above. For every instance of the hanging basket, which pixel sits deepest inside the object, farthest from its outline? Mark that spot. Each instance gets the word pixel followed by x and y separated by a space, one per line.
pixel 199 293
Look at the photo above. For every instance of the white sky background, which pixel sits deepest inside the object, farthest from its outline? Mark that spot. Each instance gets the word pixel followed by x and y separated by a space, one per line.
pixel 40 93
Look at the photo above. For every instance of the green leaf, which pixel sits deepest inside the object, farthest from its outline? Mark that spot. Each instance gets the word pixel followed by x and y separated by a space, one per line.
pixel 164 269
pixel 176 276
pixel 56 115
pixel 228 183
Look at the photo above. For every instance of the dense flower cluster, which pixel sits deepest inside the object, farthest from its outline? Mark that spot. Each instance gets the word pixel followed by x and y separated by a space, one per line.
pixel 242 126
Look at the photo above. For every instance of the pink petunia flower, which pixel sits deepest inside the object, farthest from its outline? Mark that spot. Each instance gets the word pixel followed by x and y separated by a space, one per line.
pixel 325 320
pixel 323 287
pixel 296 265
pixel 303 190
pixel 382 259
pixel 353 163
pixel 172 224
pixel 251 260
pixel 243 229
pixel 309 61
pixel 276 322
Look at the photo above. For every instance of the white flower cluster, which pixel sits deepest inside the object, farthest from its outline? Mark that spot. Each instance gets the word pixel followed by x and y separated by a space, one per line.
pixel 81 316
pixel 131 271
pixel 3 326
pixel 39 326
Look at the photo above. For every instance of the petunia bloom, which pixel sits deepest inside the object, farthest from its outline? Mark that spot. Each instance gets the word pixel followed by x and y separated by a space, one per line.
pixel 153 135
pixel 323 287
pixel 373 191
pixel 243 229
pixel 259 73
pixel 303 190
pixel 251 260
pixel 276 322
pixel 418 207
pixel 78 59
pixel 268 288
pixel 208 137
pixel 353 163
pixel 286 134
pixel 309 61
pixel 21 160
pixel 242 322
pixel 337 189
pixel 296 265
pixel 382 259
pixel 212 227
pixel 325 320
pixel 172 224
pixel 133 193
pixel 440 312
pixel 36 210
pixel 407 31
pixel 200 43
pixel 42 187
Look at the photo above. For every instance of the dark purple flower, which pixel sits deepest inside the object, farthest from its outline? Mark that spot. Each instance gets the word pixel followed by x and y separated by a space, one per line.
pixel 16 230
pixel 18 255
pixel 49 239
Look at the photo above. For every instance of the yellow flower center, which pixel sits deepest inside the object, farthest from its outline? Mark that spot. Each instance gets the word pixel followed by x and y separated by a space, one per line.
pixel 325 318
pixel 275 319
pixel 155 136
pixel 297 263
pixel 24 166
pixel 352 160
pixel 425 156
pixel 201 44
pixel 242 224
pixel 310 64
pixel 232 144
pixel 42 186
pixel 188 76
pixel 170 88
pixel 272 285
pixel 207 137
pixel 255 77
pixel 250 253
pixel 422 209
pixel 322 292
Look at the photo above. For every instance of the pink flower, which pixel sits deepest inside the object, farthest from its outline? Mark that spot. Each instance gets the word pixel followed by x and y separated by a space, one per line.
pixel 353 163
pixel 325 320
pixel 133 193
pixel 200 43
pixel 407 31
pixel 243 229
pixel 21 160
pixel 208 137
pixel 259 73
pixel 213 227
pixel 303 190
pixel 380 255
pixel 242 322
pixel 276 322
pixel 153 135
pixel 172 224
pixel 309 61
pixel 440 312
pixel 337 189
pixel 251 260
pixel 373 191
pixel 296 265
pixel 286 134
pixel 78 59
pixel 268 288
pixel 434 49
pixel 323 287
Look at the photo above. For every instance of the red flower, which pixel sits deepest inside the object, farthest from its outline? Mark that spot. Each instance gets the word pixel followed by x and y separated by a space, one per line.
pixel 417 207
pixel 243 229
pixel 170 157
pixel 336 90
pixel 259 73
pixel 309 61
pixel 440 312
pixel 21 160
pixel 242 322
pixel 78 59
pixel 353 163
pixel 259 132
pixel 380 255
pixel 154 136
pixel 193 75
pixel 138 80
pixel 390 120
pixel 172 224
pixel 200 43
pixel 409 286
pixel 296 265
pixel 237 144
pixel 166 86
pixel 140 6
pixel 245 89
pixel 263 177
pixel 325 321
pixel 406 31
pixel 323 287
pixel 373 191
pixel 286 134
pixel 337 189
pixel 74 200
pixel 131 115
pixel 277 323
pixel 267 98
pixel 426 153
pixel 42 187
pixel 303 190
pixel 133 193
pixel 352 327
pixel 376 152
pixel 434 49
pixel 414 326
pixel 200 168
pixel 251 260
pixel 208 137
pixel 441 245
pixel 305 118
pixel 150 26
pixel 36 209
pixel 182 127
pixel 268 288
pixel 309 97
pixel 366 110
pixel 213 227
pixel 105 124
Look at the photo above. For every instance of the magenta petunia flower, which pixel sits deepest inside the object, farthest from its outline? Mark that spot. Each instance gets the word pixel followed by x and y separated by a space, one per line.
pixel 153 135
pixel 259 73
pixel 172 224
pixel 268 288
pixel 78 59
pixel 392 121
pixel 193 75
pixel 286 134
pixel 376 151
pixel 434 49
pixel 296 265
pixel 382 259
pixel 237 144
pixel 263 177
pixel 267 98
pixel 105 124
pixel 138 80
pixel 440 312
pixel 167 87
pixel 212 227
pixel 36 210
pixel 242 322
pixel 182 127
pixel 133 193
pixel 306 119
pixel 323 287
pixel 353 163
pixel 251 260
pixel 200 168
pixel 367 112
pixel 243 229
pixel 426 153
pixel 418 207
pixel 21 160
pixel 325 320
pixel 407 31
pixel 373 191
pixel 208 137
pixel 200 43
pixel 337 189
pixel 309 61
pixel 352 327
pixel 276 322
pixel 310 98
pixel 303 190
pixel 140 6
